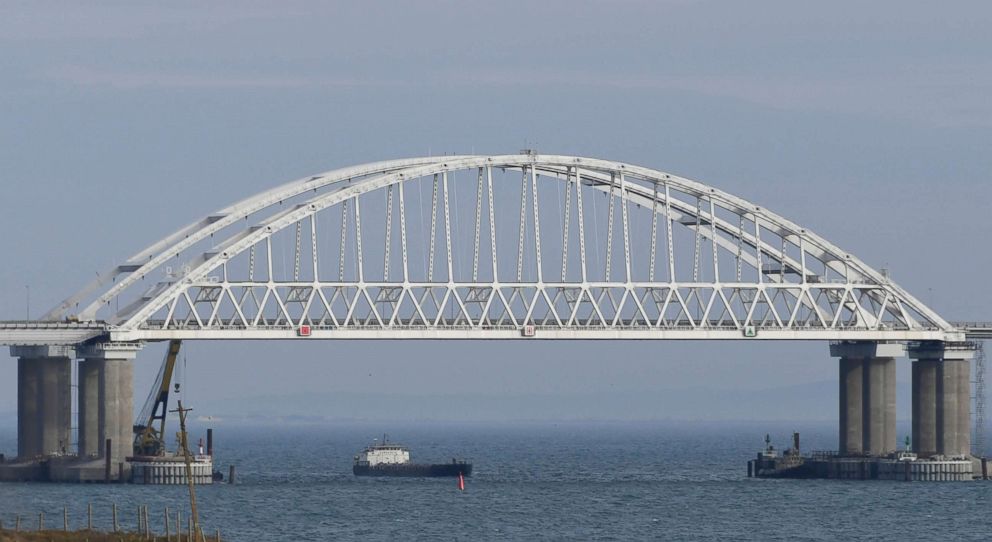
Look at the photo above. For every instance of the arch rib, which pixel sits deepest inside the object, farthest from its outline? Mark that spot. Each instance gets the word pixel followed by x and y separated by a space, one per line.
pixel 602 175
pixel 158 253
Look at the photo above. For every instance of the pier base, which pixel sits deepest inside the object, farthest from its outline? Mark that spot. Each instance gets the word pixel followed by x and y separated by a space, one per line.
pixel 862 468
pixel 867 397
pixel 44 411
pixel 44 395
pixel 107 412
pixel 942 399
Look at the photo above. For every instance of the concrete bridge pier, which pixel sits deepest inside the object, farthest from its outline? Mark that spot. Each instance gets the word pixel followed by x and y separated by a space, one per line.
pixel 925 406
pixel 867 396
pixel 941 398
pixel 106 400
pixel 44 395
pixel 88 409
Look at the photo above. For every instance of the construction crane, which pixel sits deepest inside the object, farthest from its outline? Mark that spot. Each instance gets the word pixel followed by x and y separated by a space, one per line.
pixel 149 428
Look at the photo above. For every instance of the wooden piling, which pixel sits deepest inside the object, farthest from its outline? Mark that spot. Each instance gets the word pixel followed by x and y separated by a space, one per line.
pixel 41 521
pixel 116 528
pixel 89 516
pixel 148 530
pixel 17 523
pixel 230 475
pixel 65 518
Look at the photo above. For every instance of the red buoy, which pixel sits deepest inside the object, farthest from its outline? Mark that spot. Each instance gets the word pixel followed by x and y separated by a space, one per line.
pixel 461 482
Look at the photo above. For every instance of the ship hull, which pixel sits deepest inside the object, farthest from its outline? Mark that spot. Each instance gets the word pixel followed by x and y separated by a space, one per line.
pixel 410 470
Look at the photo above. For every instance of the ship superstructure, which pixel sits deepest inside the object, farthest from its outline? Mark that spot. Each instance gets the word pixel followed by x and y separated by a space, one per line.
pixel 383 454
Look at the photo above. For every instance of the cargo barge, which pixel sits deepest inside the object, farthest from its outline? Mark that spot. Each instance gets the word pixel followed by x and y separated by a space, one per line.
pixel 390 459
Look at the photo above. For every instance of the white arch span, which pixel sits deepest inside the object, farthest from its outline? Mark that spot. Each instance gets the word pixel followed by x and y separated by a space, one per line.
pixel 750 272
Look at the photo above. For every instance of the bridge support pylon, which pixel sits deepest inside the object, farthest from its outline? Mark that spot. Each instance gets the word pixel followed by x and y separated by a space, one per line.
pixel 867 396
pixel 941 398
pixel 106 401
pixel 44 395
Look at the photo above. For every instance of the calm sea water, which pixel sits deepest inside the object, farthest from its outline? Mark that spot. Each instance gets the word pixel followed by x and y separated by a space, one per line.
pixel 566 481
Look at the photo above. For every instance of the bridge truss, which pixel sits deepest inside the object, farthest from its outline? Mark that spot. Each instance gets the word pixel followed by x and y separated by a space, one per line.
pixel 511 246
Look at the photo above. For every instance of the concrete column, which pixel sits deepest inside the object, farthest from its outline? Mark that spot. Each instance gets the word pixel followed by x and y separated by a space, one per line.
pixel 867 396
pixel 953 406
pixel 942 397
pixel 54 408
pixel 28 428
pixel 891 437
pixel 44 395
pixel 925 407
pixel 947 407
pixel 125 404
pixel 964 406
pixel 851 396
pixel 89 408
pixel 108 368
pixel 879 405
pixel 107 406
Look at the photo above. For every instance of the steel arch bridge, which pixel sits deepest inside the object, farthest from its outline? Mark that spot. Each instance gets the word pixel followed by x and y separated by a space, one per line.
pixel 487 247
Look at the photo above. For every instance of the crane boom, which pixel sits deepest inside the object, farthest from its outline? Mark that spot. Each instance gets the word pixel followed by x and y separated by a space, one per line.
pixel 149 436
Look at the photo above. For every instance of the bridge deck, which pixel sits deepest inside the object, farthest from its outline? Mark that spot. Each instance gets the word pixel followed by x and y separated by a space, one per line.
pixel 975 330
pixel 66 333
pixel 26 333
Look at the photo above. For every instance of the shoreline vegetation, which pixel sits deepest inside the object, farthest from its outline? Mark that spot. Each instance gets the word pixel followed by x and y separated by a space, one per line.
pixel 177 527
pixel 7 535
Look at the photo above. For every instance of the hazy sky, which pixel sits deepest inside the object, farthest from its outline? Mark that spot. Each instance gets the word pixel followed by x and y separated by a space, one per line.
pixel 867 122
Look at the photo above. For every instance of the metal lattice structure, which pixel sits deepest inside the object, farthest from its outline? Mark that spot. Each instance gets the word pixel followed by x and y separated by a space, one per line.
pixel 978 440
pixel 499 247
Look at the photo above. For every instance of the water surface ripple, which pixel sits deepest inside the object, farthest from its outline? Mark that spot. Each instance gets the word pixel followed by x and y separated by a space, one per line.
pixel 567 481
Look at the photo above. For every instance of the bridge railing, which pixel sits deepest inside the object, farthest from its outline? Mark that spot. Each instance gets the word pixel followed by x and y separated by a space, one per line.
pixel 972 325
